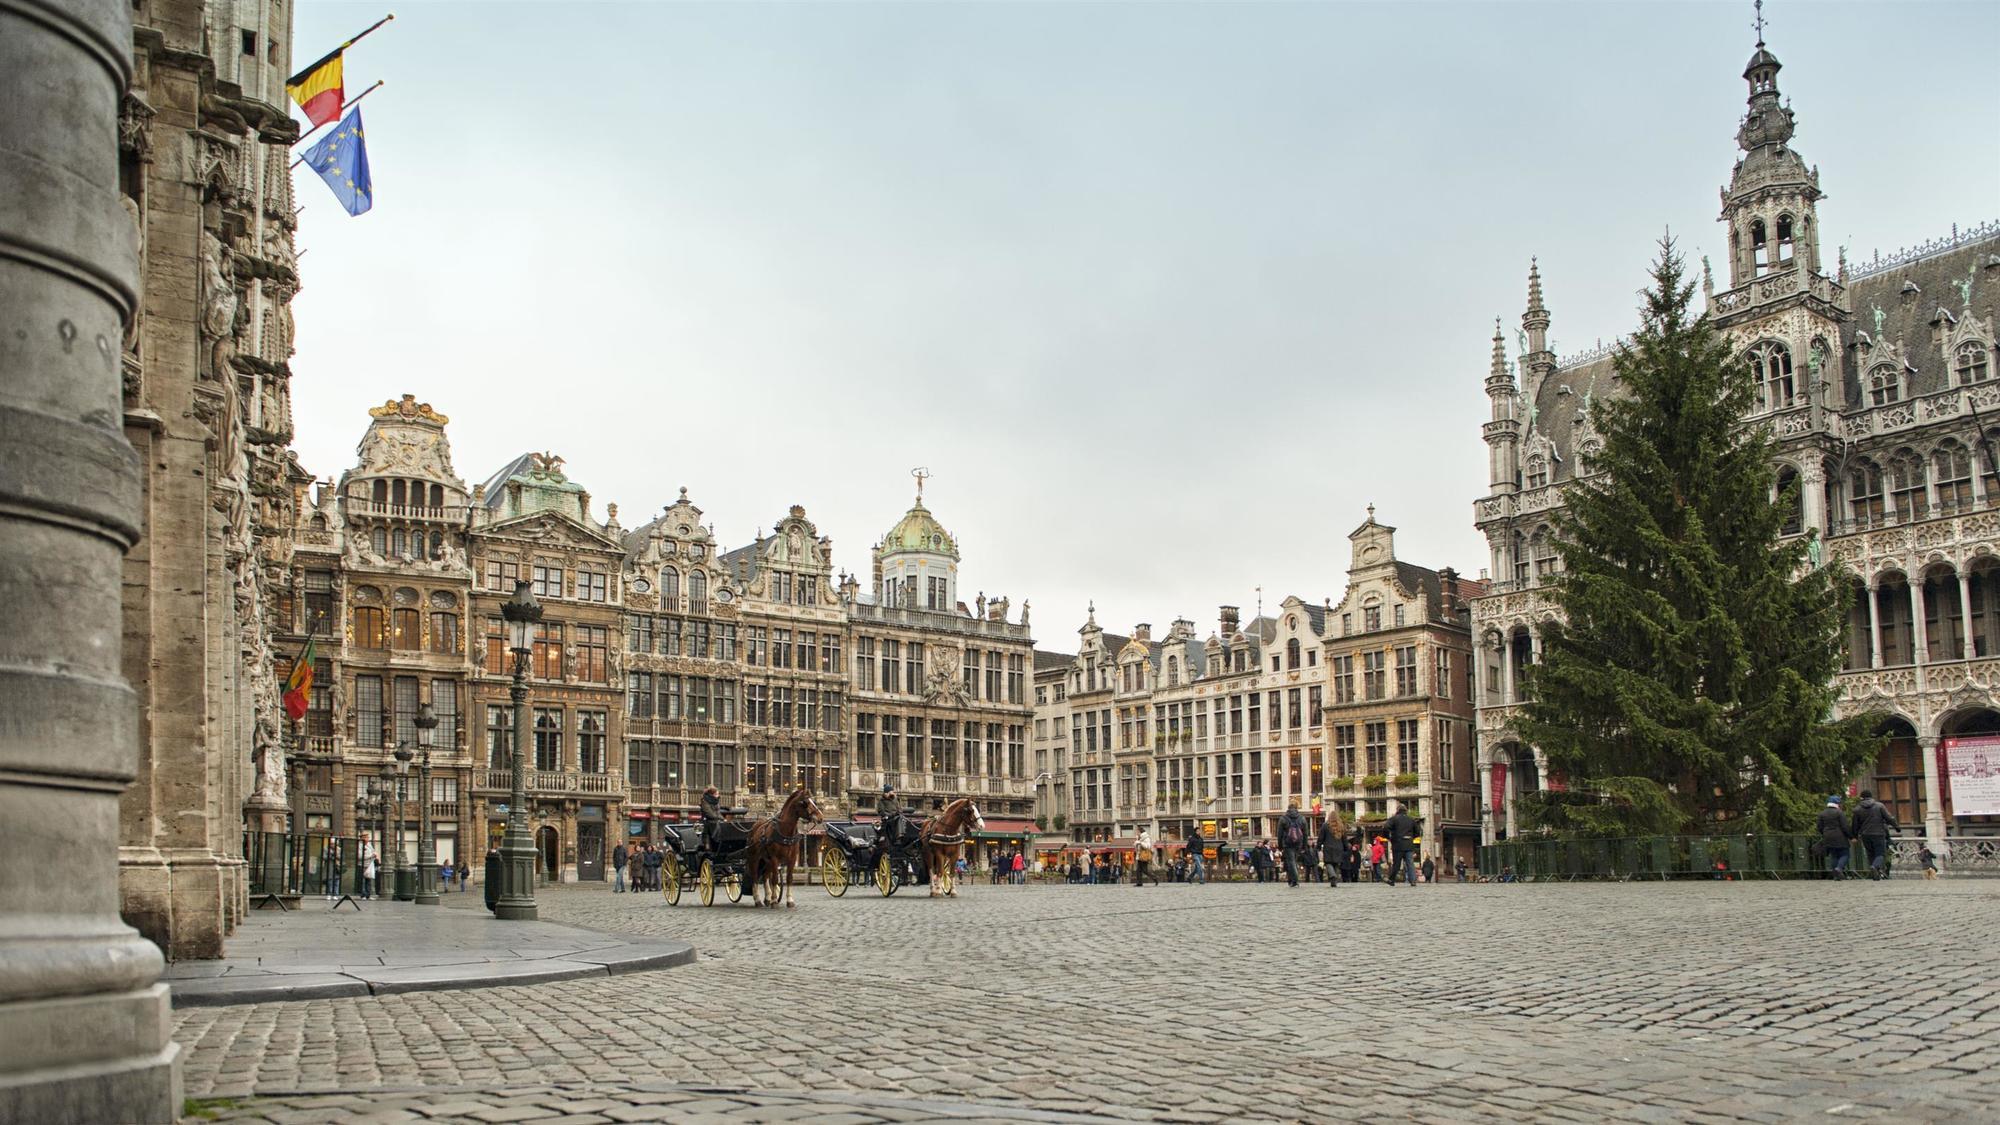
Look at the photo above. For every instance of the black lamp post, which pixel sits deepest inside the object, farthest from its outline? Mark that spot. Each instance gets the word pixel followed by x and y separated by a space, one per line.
pixel 427 867
pixel 516 900
pixel 385 886
pixel 406 879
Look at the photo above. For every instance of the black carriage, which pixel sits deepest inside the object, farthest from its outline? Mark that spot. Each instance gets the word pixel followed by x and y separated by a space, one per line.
pixel 693 862
pixel 854 853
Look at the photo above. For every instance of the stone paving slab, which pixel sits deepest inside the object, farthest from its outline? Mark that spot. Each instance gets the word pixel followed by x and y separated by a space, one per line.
pixel 1586 1002
pixel 643 1101
pixel 314 953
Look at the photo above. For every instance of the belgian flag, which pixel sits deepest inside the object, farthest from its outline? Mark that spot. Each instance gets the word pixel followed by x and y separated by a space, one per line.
pixel 320 88
pixel 298 686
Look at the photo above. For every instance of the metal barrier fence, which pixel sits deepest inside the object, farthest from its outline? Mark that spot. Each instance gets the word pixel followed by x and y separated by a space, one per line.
pixel 285 864
pixel 1786 856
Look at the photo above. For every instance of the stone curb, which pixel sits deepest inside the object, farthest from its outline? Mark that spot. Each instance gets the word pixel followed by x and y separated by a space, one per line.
pixel 266 987
pixel 910 1108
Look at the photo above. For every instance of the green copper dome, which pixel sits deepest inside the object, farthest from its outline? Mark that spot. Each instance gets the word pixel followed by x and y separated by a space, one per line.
pixel 918 530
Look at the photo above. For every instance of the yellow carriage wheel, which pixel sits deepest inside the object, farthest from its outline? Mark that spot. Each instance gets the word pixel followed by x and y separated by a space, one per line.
pixel 706 883
pixel 885 877
pixel 833 870
pixel 670 879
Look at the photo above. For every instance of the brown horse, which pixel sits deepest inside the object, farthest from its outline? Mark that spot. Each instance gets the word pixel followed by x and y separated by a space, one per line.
pixel 774 845
pixel 942 838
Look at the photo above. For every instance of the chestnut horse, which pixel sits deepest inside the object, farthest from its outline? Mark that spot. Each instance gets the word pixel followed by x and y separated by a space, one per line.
pixel 942 838
pixel 774 844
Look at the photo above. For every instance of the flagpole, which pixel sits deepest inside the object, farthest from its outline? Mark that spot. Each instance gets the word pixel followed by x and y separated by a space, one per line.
pixel 328 57
pixel 354 102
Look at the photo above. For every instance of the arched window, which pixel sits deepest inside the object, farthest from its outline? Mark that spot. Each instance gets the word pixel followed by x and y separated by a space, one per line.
pixel 379 492
pixel 1884 385
pixel 1784 238
pixel 1951 467
pixel 1544 547
pixel 437 496
pixel 697 591
pixel 1788 481
pixel 1864 493
pixel 1760 247
pixel 400 492
pixel 1972 367
pixel 1538 471
pixel 670 589
pixel 1906 485
pixel 1292 654
pixel 1771 365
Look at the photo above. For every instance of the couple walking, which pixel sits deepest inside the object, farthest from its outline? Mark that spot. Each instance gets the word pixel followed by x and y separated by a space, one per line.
pixel 1303 845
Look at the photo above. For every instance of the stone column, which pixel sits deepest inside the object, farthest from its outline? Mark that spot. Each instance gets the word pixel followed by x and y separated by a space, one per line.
pixel 1927 745
pixel 1812 496
pixel 84 1023
pixel 1874 625
pixel 1965 646
pixel 1486 802
pixel 1507 669
pixel 1919 634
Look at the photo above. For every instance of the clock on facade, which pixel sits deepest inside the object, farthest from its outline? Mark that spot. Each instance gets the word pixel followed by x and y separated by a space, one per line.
pixel 640 585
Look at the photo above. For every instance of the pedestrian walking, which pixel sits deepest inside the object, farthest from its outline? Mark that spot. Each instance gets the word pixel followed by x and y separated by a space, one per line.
pixel 367 869
pixel 464 875
pixel 1459 865
pixel 1834 843
pixel 1929 859
pixel 330 869
pixel 1871 825
pixel 1377 851
pixel 1402 836
pixel 651 865
pixel 618 855
pixel 1330 852
pixel 1292 836
pixel 1020 869
pixel 1430 870
pixel 1142 856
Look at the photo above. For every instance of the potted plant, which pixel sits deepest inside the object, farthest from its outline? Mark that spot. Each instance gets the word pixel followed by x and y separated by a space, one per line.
pixel 1406 781
pixel 1062 822
pixel 1041 824
pixel 1374 781
pixel 1340 784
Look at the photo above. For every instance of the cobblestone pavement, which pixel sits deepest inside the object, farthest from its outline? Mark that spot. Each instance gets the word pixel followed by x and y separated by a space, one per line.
pixel 1686 1001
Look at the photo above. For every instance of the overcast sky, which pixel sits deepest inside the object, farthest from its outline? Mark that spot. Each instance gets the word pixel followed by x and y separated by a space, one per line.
pixel 1163 294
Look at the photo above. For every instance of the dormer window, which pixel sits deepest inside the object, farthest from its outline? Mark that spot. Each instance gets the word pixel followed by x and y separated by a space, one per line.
pixel 1538 471
pixel 1971 363
pixel 1885 385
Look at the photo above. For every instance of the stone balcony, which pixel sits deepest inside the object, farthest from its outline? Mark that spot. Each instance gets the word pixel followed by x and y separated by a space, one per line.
pixel 554 783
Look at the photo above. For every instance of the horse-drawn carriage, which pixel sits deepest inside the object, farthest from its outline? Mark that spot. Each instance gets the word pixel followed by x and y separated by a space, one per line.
pixel 693 862
pixel 743 855
pixel 924 853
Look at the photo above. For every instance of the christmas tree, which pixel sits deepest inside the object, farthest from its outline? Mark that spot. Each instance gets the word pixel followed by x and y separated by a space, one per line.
pixel 1690 685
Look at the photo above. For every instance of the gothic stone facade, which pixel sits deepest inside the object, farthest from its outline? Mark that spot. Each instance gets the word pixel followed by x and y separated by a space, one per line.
pixel 205 141
pixel 1878 383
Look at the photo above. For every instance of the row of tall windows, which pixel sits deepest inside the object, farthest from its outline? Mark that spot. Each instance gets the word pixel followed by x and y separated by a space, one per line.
pixel 385 709
pixel 677 698
pixel 693 766
pixel 551 729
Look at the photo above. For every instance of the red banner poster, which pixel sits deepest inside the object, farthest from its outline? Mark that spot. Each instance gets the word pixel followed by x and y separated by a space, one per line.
pixel 1499 788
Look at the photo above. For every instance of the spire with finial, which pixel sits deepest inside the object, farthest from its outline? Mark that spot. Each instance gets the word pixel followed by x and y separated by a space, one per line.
pixel 1758 23
pixel 1498 372
pixel 1093 614
pixel 1536 319
pixel 1371 513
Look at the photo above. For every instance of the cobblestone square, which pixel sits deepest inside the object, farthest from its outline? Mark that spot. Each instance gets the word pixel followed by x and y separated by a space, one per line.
pixel 1685 1001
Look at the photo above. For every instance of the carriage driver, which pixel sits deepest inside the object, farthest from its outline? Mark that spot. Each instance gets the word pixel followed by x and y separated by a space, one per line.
pixel 890 808
pixel 711 815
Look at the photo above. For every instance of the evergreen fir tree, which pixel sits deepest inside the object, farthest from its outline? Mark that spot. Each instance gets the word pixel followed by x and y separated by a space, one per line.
pixel 1691 682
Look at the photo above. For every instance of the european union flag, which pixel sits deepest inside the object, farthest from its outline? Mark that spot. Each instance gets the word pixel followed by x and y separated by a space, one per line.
pixel 342 161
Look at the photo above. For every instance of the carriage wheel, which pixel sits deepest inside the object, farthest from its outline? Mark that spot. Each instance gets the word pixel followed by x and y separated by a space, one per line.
pixel 733 885
pixel 944 878
pixel 885 877
pixel 670 879
pixel 706 884
pixel 833 871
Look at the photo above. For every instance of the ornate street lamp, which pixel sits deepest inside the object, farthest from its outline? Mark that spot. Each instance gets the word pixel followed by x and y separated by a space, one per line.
pixel 427 866
pixel 386 884
pixel 516 900
pixel 405 879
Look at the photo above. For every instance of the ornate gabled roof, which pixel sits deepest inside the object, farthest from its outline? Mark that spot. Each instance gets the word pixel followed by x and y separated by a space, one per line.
pixel 918 530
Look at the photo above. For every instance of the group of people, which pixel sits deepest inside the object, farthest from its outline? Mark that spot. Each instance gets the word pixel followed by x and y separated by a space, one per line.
pixel 370 860
pixel 1871 824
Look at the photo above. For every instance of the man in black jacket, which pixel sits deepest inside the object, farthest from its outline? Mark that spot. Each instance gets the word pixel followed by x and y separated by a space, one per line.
pixel 618 870
pixel 1402 835
pixel 1329 851
pixel 1294 834
pixel 1833 837
pixel 1872 824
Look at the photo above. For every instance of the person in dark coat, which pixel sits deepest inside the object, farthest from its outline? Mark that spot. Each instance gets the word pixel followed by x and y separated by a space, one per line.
pixel 1833 837
pixel 1402 836
pixel 1330 851
pixel 618 870
pixel 1294 834
pixel 1871 825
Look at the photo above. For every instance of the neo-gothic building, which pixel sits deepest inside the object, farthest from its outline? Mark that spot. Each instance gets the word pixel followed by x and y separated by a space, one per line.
pixel 1879 385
